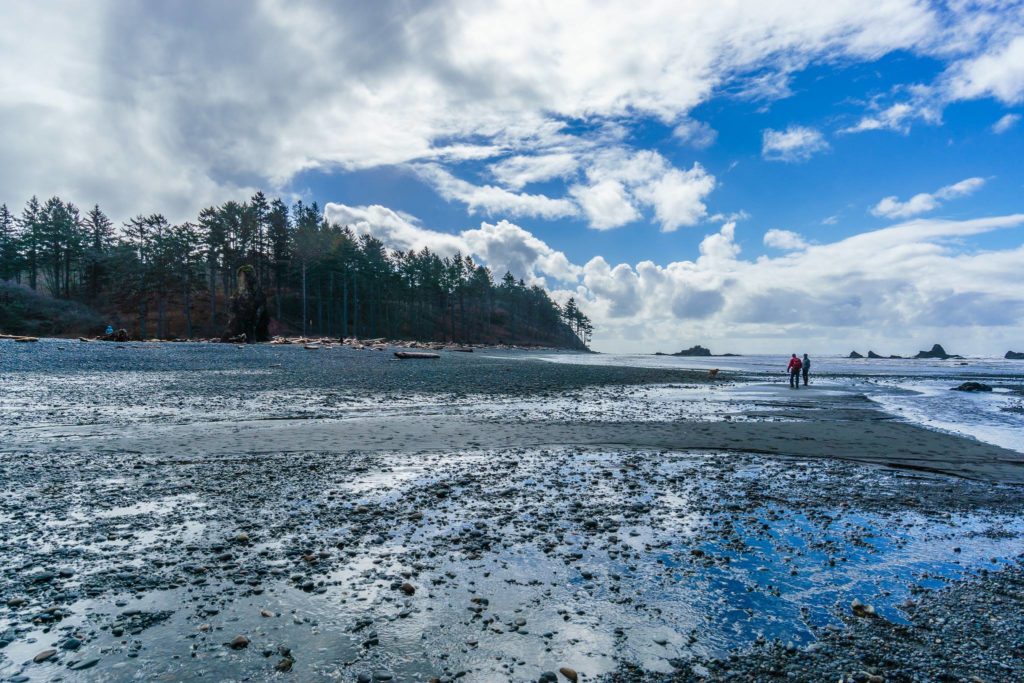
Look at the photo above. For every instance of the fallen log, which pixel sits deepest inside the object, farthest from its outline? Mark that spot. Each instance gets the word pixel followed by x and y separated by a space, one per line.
pixel 460 349
pixel 18 338
pixel 408 355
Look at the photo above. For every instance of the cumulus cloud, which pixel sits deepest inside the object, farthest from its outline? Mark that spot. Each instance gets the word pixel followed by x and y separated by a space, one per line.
pixel 502 246
pixel 606 204
pixel 796 143
pixel 620 180
pixel 786 240
pixel 1005 123
pixel 923 202
pixel 881 284
pixel 916 275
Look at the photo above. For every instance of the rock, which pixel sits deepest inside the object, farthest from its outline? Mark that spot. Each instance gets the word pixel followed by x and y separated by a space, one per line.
pixel 382 676
pixel 284 665
pixel 1014 355
pixel 569 673
pixel 862 610
pixel 408 588
pixel 239 643
pixel 249 313
pixel 873 355
pixel 17 602
pixel 548 677
pixel 85 664
pixel 972 386
pixel 71 644
pixel 697 350
pixel 854 354
pixel 44 655
pixel 936 352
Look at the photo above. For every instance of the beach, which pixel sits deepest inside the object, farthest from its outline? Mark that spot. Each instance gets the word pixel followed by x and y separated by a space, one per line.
pixel 496 516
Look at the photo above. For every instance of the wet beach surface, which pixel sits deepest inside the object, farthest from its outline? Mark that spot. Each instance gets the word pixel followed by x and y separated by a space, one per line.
pixel 183 512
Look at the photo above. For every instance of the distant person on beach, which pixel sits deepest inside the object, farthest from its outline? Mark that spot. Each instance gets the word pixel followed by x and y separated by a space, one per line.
pixel 805 366
pixel 110 330
pixel 794 372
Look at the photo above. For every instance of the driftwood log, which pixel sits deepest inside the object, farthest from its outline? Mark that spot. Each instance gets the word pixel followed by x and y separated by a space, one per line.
pixel 409 355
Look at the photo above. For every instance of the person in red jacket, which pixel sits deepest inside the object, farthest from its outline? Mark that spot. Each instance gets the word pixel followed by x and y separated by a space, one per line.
pixel 794 372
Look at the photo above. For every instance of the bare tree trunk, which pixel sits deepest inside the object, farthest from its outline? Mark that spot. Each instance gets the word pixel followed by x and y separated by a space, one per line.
pixel 305 316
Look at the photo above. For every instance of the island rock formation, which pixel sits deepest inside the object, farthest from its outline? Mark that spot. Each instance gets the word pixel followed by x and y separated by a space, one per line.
pixel 1014 355
pixel 854 354
pixel 936 352
pixel 249 314
pixel 697 350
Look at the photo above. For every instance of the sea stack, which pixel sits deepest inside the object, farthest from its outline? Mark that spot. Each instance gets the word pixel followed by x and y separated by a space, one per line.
pixel 249 313
pixel 936 352
pixel 854 354
pixel 1014 355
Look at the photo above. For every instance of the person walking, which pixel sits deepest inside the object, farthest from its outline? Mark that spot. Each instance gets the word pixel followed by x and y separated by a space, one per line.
pixel 805 367
pixel 794 372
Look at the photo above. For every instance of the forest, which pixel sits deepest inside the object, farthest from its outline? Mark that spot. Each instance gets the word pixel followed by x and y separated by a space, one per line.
pixel 166 281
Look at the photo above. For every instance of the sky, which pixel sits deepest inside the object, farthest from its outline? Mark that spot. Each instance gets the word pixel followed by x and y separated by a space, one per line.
pixel 754 177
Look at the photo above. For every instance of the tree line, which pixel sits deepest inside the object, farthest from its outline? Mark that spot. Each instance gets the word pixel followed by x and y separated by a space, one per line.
pixel 168 280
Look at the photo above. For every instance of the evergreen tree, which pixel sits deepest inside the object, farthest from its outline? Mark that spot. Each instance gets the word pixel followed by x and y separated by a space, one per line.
pixel 10 256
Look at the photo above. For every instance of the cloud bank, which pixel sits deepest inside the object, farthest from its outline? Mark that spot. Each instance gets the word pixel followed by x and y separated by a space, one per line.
pixel 878 285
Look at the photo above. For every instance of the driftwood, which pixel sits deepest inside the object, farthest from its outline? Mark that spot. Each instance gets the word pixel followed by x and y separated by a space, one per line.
pixel 18 338
pixel 460 349
pixel 415 354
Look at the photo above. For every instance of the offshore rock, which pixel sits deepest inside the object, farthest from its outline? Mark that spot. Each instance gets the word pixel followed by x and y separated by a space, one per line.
pixel 1014 355
pixel 697 350
pixel 936 352
pixel 249 313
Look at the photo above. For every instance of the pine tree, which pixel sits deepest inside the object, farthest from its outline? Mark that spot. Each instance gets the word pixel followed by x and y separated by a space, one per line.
pixel 31 239
pixel 10 256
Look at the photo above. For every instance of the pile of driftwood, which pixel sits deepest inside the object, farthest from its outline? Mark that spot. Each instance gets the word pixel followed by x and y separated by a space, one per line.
pixel 380 344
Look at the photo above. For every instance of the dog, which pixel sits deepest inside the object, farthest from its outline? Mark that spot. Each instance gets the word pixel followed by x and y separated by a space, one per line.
pixel 712 374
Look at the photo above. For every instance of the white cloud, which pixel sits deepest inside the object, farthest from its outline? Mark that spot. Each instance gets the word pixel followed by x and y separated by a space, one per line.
pixel 517 171
pixel 502 246
pixel 490 199
pixel 786 240
pixel 796 143
pixel 696 134
pixel 606 204
pixel 896 117
pixel 677 196
pixel 892 207
pixel 1005 123
pixel 621 180
pixel 997 73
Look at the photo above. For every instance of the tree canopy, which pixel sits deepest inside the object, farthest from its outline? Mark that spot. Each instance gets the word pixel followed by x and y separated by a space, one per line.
pixel 164 280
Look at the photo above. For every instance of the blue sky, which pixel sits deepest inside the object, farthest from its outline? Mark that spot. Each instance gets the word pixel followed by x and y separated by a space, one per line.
pixel 741 175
